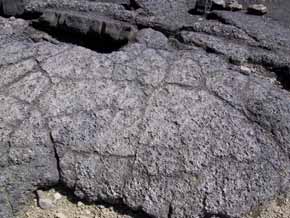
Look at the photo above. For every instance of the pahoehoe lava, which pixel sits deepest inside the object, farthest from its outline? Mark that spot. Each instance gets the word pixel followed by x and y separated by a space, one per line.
pixel 145 105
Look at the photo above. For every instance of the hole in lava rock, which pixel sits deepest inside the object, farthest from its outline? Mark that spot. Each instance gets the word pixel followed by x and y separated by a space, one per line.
pixel 201 7
pixel 283 76
pixel 132 6
pixel 102 43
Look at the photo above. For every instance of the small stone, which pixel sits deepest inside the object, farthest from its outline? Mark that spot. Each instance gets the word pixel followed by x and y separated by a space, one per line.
pixel 218 4
pixel 12 18
pixel 57 196
pixel 257 9
pixel 80 204
pixel 234 5
pixel 43 201
pixel 60 215
pixel 101 207
pixel 45 204
pixel 245 70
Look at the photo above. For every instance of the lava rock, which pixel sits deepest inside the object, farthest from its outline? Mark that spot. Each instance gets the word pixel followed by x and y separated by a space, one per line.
pixel 257 9
pixel 234 5
pixel 57 196
pixel 152 38
pixel 78 23
pixel 218 4
pixel 166 124
pixel 11 7
pixel 203 6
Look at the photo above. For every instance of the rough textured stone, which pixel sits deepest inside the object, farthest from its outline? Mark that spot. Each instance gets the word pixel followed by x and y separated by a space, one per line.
pixel 234 5
pixel 167 123
pixel 219 4
pixel 257 9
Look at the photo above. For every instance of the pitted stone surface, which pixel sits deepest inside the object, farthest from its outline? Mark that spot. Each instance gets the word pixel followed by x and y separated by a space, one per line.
pixel 168 124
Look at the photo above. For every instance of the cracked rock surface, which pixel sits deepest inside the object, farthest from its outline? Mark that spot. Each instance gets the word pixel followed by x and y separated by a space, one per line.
pixel 184 116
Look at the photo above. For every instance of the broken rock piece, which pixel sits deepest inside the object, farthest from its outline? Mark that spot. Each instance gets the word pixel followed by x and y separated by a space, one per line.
pixel 44 201
pixel 257 9
pixel 234 5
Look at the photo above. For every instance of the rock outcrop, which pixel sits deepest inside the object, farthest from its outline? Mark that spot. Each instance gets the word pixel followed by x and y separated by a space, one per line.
pixel 143 104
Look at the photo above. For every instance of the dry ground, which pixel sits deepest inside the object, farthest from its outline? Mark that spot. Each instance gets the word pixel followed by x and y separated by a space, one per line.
pixel 67 207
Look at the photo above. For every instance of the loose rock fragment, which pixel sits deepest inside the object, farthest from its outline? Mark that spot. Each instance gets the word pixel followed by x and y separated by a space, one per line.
pixel 44 202
pixel 203 6
pixel 245 69
pixel 257 9
pixel 234 5
pixel 57 196
pixel 80 204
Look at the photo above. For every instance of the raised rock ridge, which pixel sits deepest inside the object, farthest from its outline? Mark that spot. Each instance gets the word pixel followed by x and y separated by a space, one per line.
pixel 168 122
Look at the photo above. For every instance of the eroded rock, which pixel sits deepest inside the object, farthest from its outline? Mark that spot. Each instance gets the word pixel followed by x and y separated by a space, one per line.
pixel 257 9
pixel 168 124
pixel 44 200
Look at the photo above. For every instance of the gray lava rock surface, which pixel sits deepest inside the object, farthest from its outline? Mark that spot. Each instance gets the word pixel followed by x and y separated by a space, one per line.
pixel 165 123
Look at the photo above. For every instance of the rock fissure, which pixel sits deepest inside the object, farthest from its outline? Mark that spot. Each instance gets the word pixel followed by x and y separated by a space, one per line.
pixel 56 156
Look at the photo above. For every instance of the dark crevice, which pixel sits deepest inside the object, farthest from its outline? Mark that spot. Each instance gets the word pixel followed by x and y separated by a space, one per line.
pixel 56 156
pixel 216 215
pixel 1 9
pixel 283 76
pixel 282 71
pixel 201 7
pixel 214 16
pixel 29 15
pixel 170 211
pixel 132 6
pixel 102 43
pixel 16 8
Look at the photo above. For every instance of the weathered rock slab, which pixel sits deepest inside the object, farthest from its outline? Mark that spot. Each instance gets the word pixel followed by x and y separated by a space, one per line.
pixel 168 124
